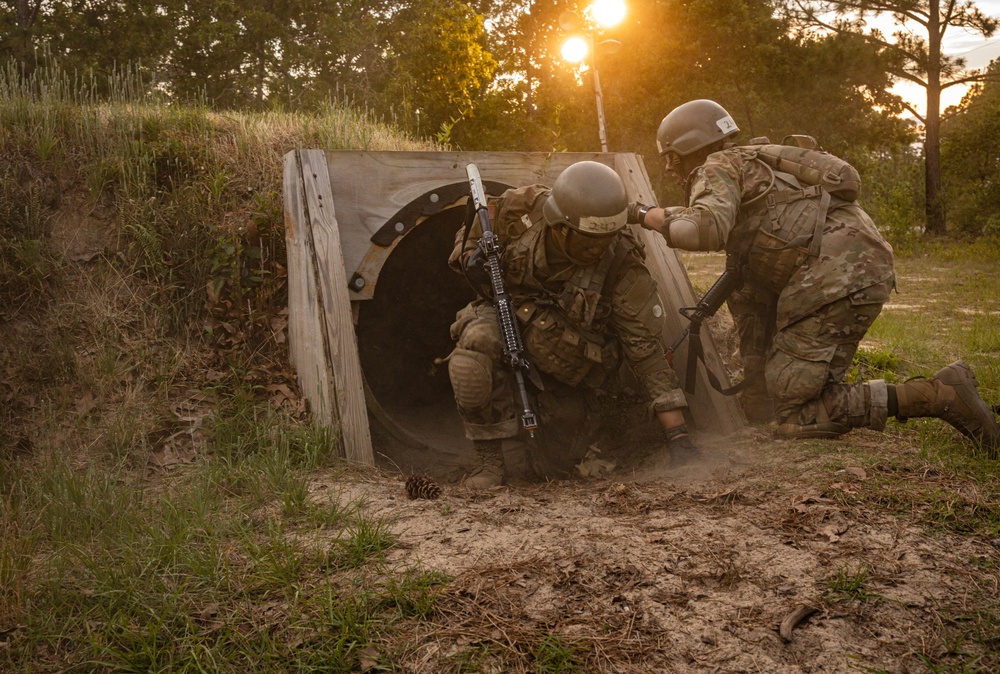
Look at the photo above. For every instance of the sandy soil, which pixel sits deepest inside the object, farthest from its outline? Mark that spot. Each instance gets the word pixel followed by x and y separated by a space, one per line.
pixel 689 569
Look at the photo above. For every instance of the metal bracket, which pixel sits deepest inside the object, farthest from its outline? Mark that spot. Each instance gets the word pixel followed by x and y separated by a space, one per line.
pixel 429 203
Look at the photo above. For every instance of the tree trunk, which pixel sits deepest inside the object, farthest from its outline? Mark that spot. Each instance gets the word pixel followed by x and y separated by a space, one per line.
pixel 24 46
pixel 933 207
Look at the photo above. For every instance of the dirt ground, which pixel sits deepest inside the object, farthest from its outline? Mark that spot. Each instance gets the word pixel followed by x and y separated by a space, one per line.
pixel 690 569
pixel 650 567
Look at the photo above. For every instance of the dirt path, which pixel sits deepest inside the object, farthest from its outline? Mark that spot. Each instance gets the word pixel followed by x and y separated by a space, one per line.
pixel 689 569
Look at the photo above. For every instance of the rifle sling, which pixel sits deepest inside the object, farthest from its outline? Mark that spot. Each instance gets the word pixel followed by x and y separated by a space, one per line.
pixel 696 352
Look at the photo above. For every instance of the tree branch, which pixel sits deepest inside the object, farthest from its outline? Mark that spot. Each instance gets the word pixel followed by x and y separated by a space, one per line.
pixel 910 77
pixel 946 21
pixel 913 111
pixel 974 77
pixel 884 7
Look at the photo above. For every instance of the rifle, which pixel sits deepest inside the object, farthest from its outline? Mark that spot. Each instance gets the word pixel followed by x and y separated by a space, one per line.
pixel 513 348
pixel 711 301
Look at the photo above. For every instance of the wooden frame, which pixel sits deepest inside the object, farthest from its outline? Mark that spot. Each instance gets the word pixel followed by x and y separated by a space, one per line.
pixel 345 212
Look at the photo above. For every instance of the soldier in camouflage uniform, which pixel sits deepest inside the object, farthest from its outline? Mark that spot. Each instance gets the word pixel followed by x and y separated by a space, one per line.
pixel 585 302
pixel 817 275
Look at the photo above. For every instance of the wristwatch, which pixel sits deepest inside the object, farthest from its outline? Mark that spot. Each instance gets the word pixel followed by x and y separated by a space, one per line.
pixel 641 213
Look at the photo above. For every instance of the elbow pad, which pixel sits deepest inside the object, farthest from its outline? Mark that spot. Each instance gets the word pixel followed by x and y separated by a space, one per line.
pixel 693 231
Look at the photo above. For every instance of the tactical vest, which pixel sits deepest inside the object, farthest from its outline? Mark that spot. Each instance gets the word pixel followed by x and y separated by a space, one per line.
pixel 563 331
pixel 784 224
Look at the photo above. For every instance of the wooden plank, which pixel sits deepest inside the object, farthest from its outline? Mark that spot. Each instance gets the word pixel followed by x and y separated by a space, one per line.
pixel 335 305
pixel 306 338
pixel 371 187
pixel 710 409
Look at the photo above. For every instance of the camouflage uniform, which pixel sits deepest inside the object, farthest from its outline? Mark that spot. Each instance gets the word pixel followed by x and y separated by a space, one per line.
pixel 577 323
pixel 811 292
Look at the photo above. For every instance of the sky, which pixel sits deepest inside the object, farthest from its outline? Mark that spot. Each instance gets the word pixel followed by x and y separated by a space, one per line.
pixel 977 50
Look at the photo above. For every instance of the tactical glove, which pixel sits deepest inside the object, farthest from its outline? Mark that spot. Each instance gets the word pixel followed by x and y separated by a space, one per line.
pixel 636 212
pixel 477 271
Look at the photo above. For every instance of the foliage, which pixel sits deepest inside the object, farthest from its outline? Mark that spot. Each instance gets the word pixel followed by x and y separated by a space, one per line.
pixel 733 51
pixel 441 63
pixel 913 53
pixel 419 60
pixel 433 68
pixel 971 159
pixel 893 193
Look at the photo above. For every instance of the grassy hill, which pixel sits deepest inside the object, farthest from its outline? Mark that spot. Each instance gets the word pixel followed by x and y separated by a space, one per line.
pixel 142 247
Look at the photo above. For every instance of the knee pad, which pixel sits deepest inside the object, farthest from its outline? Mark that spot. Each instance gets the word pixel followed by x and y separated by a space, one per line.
pixel 483 336
pixel 471 376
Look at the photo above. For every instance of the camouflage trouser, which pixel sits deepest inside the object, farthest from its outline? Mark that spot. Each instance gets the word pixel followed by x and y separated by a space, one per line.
pixel 809 359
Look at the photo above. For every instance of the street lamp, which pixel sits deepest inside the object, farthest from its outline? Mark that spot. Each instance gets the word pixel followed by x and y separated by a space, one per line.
pixel 605 13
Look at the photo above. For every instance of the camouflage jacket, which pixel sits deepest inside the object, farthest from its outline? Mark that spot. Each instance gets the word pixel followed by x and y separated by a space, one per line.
pixel 725 194
pixel 577 321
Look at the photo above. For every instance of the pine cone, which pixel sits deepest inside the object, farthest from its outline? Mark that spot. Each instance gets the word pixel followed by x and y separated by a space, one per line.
pixel 421 486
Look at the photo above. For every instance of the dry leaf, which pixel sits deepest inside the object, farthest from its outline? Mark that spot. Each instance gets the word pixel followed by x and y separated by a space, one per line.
pixel 725 496
pixel 802 503
pixel 833 530
pixel 171 455
pixel 592 466
pixel 369 657
pixel 86 402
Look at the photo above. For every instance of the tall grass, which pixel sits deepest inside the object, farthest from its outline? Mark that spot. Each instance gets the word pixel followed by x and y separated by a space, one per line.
pixel 187 203
pixel 159 350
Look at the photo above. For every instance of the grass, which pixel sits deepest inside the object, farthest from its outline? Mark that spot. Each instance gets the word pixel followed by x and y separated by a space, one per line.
pixel 555 655
pixel 101 571
pixel 922 471
pixel 155 503
pixel 849 585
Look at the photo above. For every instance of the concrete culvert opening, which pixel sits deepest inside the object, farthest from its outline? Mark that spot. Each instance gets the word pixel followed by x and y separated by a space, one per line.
pixel 405 329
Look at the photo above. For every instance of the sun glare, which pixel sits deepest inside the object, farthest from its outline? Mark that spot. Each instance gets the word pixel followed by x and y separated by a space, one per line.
pixel 608 12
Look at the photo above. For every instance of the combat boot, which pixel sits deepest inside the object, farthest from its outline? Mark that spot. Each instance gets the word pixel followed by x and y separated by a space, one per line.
pixel 490 471
pixel 950 395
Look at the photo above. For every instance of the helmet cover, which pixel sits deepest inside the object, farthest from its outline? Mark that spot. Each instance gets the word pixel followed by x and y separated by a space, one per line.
pixel 692 126
pixel 589 197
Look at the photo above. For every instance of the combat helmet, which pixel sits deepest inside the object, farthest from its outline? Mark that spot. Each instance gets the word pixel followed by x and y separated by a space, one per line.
pixel 692 126
pixel 589 197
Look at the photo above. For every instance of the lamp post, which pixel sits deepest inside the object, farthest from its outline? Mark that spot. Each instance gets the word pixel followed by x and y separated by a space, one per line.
pixel 576 49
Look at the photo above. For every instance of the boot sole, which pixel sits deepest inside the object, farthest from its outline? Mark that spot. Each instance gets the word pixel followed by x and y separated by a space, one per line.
pixel 961 377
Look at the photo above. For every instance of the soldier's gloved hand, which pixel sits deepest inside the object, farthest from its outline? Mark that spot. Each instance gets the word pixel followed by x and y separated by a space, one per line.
pixel 633 214
pixel 682 449
pixel 476 272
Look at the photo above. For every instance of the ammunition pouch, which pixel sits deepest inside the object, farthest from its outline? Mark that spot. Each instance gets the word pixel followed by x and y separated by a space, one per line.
pixel 559 348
